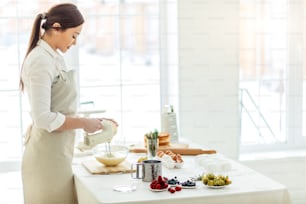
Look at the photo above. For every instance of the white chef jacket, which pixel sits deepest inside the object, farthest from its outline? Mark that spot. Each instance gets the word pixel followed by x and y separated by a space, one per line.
pixel 38 75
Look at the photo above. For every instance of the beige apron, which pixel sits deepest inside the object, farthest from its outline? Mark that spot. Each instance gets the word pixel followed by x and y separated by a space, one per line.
pixel 46 167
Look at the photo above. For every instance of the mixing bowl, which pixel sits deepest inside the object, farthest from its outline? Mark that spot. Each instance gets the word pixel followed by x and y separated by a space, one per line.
pixel 112 156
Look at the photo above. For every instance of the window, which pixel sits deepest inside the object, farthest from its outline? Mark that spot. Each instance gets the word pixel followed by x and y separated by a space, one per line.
pixel 120 63
pixel 271 74
pixel 117 58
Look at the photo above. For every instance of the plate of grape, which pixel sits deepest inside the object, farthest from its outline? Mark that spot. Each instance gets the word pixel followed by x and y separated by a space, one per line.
pixel 216 187
pixel 215 182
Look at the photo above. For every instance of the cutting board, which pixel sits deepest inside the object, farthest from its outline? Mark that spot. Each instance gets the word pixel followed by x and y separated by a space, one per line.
pixel 95 167
pixel 177 148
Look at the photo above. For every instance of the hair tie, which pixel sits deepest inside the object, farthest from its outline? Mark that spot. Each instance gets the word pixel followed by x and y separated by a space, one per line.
pixel 43 15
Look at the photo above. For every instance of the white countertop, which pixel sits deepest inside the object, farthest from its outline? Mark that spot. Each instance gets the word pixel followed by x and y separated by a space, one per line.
pixel 248 186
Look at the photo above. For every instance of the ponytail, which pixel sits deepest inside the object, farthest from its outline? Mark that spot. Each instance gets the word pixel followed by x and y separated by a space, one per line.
pixel 36 32
pixel 34 38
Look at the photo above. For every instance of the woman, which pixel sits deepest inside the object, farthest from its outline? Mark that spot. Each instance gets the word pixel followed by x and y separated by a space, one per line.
pixel 46 166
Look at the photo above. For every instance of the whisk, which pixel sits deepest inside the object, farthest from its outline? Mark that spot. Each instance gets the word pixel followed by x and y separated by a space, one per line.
pixel 108 149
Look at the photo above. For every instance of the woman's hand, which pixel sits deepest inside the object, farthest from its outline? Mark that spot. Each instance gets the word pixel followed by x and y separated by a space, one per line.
pixel 110 119
pixel 92 125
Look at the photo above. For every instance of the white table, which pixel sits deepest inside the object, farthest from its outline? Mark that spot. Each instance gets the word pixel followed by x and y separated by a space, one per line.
pixel 248 187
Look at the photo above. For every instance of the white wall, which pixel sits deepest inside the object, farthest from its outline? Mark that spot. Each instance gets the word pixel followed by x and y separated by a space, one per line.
pixel 208 87
pixel 209 73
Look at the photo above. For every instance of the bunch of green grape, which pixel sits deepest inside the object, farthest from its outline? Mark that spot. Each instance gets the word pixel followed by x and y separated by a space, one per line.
pixel 211 179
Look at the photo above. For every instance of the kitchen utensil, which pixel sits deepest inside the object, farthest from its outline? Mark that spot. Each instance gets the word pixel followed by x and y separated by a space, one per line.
pixel 169 123
pixel 111 155
pixel 105 135
pixel 148 170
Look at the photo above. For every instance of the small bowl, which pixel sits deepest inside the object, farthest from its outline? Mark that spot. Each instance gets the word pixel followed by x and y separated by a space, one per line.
pixel 117 155
pixel 170 163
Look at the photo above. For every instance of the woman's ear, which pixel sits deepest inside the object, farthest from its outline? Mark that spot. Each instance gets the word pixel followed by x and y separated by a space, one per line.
pixel 56 26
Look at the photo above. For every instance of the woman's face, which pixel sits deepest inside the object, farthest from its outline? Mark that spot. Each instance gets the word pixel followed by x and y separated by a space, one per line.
pixel 68 37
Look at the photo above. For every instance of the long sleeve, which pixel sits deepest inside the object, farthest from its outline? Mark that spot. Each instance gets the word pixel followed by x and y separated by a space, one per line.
pixel 39 70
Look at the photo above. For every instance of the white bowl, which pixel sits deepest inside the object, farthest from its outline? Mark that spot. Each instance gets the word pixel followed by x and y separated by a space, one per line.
pixel 213 163
pixel 117 155
pixel 170 163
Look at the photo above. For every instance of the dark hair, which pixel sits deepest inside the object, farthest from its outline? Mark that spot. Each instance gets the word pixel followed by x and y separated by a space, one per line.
pixel 66 14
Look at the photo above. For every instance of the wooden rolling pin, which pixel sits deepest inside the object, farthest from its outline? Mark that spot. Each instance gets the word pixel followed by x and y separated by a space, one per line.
pixel 182 151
